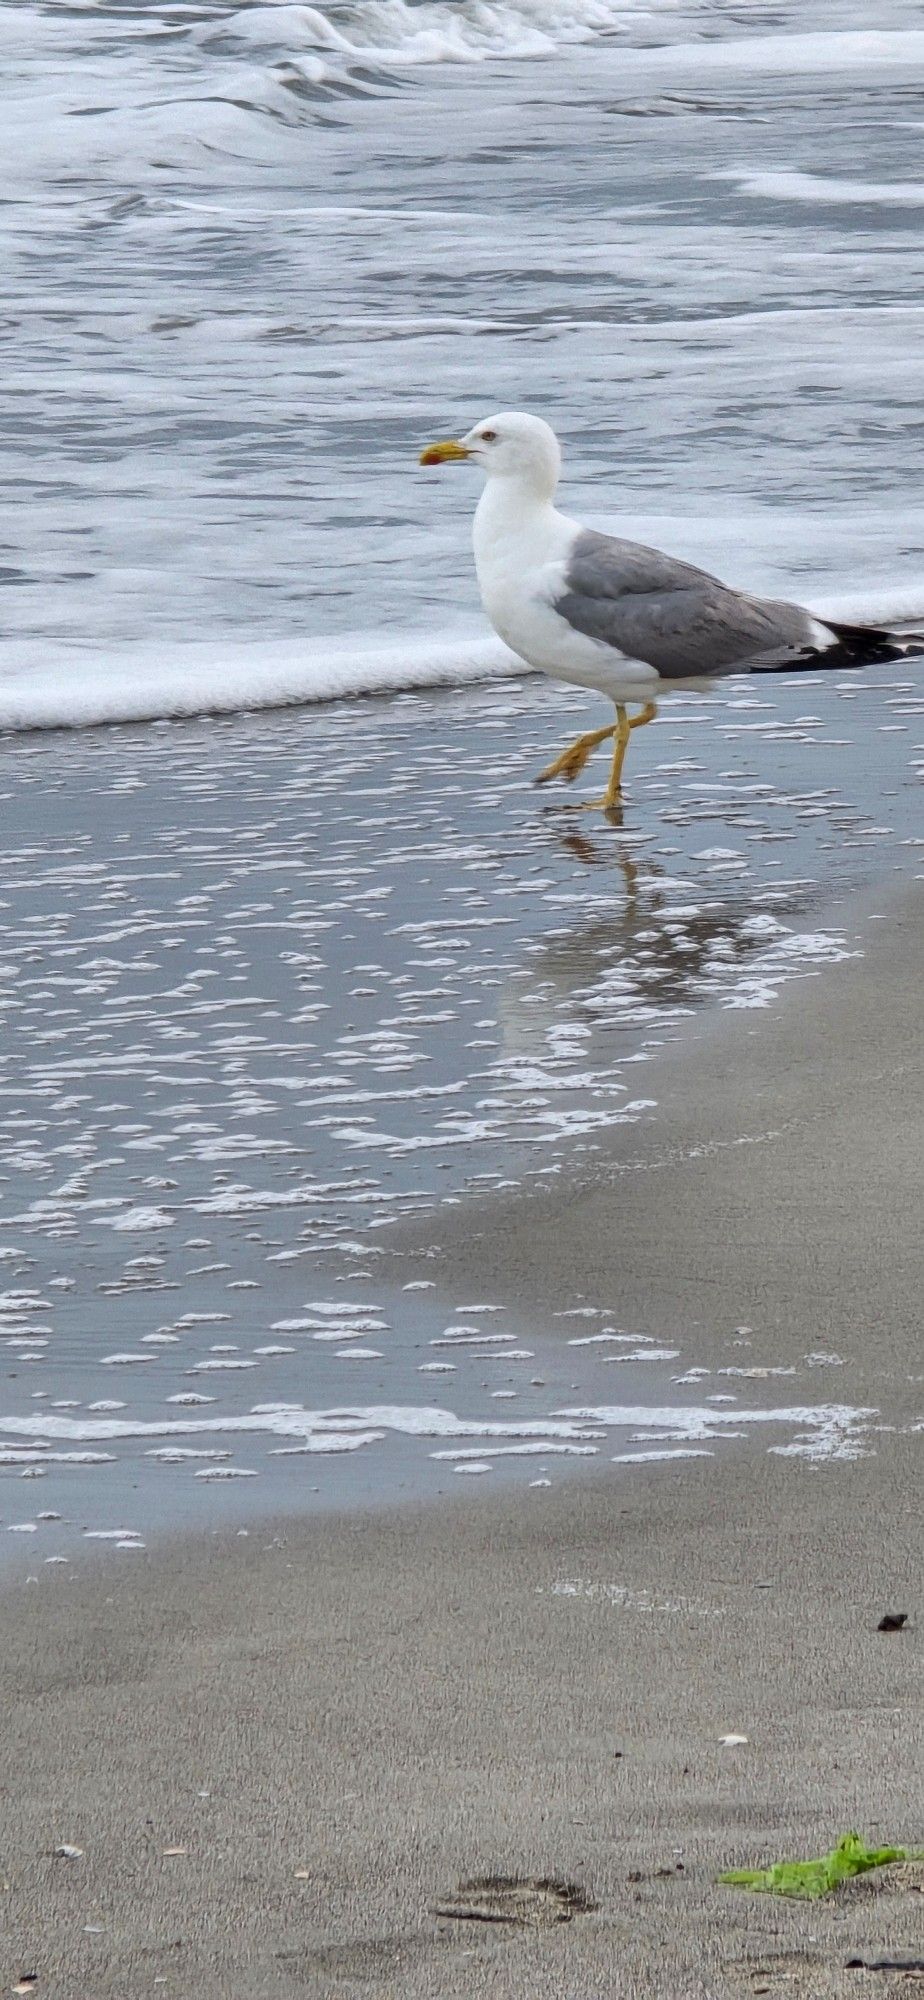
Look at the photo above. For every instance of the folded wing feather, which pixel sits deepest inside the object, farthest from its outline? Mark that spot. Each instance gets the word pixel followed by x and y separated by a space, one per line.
pixel 648 606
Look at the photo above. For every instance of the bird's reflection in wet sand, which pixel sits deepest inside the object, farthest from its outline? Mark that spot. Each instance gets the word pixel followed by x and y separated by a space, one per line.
pixel 599 854
pixel 614 816
pixel 654 955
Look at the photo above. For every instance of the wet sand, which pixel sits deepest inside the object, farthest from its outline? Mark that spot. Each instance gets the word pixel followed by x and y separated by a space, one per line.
pixel 278 987
pixel 338 1723
pixel 769 1213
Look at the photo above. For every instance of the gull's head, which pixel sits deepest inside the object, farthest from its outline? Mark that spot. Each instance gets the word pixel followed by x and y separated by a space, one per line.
pixel 511 445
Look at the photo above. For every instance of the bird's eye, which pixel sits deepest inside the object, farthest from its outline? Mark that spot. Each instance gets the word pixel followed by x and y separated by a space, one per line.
pixel 488 437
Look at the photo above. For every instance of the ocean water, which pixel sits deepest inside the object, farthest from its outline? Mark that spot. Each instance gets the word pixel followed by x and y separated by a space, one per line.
pixel 273 983
pixel 255 255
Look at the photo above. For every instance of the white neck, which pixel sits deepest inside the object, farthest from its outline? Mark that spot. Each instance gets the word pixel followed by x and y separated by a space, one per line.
pixel 517 524
pixel 510 509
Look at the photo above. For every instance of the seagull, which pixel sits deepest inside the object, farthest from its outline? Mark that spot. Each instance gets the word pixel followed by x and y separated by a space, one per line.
pixel 609 614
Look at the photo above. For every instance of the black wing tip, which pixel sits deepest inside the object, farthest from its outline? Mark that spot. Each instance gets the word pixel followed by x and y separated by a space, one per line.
pixel 857 646
pixel 864 645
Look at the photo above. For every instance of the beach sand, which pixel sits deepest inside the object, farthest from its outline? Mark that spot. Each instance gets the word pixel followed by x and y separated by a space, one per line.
pixel 282 1755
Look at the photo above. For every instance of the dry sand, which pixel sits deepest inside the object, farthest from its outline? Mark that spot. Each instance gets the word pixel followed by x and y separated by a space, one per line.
pixel 338 1723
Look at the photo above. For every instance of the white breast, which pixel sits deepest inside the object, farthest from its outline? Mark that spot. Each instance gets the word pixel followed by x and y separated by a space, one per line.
pixel 521 548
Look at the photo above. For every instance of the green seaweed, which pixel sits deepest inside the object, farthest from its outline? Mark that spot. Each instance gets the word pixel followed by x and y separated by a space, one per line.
pixel 811 1879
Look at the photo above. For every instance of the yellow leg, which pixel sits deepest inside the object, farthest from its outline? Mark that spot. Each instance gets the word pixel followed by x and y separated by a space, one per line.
pixel 613 792
pixel 572 761
pixel 622 732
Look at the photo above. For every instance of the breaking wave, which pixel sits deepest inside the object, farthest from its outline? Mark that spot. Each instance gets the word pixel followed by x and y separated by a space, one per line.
pixel 51 687
pixel 434 31
pixel 467 31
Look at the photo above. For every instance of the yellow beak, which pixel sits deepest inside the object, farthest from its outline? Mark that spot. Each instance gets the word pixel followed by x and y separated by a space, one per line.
pixel 445 448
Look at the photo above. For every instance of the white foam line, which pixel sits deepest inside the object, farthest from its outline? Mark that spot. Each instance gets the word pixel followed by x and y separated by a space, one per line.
pixel 823 1431
pixel 687 1420
pixel 535 1449
pixel 291 1422
pixel 59 688
pixel 651 1457
pixel 53 686
pixel 787 185
pixel 826 1431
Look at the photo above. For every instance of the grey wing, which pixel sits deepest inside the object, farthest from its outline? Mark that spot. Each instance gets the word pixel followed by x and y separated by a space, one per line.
pixel 681 620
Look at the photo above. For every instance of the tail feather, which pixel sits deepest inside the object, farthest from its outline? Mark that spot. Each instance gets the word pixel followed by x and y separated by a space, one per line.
pixel 865 644
pixel 857 646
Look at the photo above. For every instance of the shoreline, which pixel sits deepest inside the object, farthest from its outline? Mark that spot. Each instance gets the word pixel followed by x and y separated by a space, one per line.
pixel 668 1345
pixel 282 1754
pixel 278 1039
pixel 829 1124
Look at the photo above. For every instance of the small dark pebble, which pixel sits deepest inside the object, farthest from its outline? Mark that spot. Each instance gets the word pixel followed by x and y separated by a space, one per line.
pixel 893 1621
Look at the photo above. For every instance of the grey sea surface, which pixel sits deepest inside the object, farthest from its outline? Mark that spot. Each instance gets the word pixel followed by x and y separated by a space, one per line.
pixel 274 984
pixel 256 255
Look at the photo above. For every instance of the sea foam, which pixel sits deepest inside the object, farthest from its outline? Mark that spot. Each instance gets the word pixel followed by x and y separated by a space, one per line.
pixel 52 686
